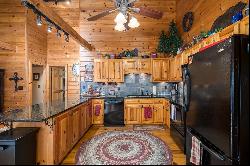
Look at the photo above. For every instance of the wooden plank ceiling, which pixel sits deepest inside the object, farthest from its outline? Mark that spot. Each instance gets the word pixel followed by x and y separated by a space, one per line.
pixel 102 35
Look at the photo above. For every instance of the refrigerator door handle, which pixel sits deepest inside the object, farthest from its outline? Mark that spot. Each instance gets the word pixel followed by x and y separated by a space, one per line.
pixel 187 87
pixel 219 156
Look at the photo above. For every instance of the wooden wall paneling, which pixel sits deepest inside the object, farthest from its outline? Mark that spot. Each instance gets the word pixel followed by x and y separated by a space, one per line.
pixel 205 13
pixel 12 31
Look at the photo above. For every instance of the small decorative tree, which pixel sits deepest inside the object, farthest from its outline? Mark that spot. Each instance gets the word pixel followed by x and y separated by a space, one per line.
pixel 163 42
pixel 175 41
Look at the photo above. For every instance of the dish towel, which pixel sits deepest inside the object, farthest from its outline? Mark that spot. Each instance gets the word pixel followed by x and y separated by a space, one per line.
pixel 196 151
pixel 97 110
pixel 147 112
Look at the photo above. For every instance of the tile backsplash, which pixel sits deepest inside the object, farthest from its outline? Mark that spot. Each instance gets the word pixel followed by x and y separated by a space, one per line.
pixel 133 84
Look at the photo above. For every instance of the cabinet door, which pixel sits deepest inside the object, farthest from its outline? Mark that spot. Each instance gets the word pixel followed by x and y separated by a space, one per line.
pixel 130 66
pixel 98 113
pixel 158 113
pixel 116 71
pixel 89 114
pixel 178 73
pixel 165 70
pixel 73 133
pixel 60 137
pixel 83 119
pixel 145 66
pixel 157 70
pixel 147 114
pixel 167 113
pixel 244 26
pixel 101 70
pixel 132 114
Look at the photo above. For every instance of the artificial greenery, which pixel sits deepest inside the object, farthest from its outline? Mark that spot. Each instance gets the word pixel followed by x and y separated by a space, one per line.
pixel 129 53
pixel 175 40
pixel 170 44
pixel 163 42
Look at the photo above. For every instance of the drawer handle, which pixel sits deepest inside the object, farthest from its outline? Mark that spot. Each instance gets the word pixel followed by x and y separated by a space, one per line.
pixel 2 148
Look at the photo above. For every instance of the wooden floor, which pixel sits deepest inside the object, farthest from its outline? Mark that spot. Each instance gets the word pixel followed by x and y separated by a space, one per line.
pixel 178 156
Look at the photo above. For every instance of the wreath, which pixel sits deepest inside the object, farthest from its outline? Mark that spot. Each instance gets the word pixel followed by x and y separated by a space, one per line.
pixel 187 21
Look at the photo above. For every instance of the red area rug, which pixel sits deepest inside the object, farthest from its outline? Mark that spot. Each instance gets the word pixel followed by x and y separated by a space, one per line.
pixel 124 148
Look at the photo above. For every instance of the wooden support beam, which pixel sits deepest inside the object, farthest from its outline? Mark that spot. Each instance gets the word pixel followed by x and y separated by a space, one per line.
pixel 53 16
pixel 7 46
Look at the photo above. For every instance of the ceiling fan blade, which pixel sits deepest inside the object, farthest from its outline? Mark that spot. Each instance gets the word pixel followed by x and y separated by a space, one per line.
pixel 100 15
pixel 148 12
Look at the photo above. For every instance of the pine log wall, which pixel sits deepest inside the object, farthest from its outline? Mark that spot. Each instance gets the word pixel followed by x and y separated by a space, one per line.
pixel 12 31
pixel 205 13
pixel 61 53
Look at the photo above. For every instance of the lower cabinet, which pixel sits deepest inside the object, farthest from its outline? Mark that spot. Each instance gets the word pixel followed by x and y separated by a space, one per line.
pixel 98 111
pixel 69 128
pixel 137 112
pixel 132 114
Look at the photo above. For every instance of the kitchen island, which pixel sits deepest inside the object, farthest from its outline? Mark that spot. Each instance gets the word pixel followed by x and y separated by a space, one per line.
pixel 61 125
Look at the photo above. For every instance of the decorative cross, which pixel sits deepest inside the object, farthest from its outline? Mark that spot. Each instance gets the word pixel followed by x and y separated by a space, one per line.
pixel 15 78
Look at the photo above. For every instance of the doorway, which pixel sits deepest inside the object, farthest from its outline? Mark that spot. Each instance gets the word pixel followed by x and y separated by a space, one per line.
pixel 57 84
pixel 38 84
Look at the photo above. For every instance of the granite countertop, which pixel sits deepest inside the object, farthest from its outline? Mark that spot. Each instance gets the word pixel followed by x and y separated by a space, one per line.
pixel 40 112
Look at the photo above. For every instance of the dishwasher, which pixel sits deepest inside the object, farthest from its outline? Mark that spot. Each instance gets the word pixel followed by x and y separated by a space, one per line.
pixel 114 111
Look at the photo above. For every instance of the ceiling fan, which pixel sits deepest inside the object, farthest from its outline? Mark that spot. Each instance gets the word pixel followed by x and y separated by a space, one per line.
pixel 125 8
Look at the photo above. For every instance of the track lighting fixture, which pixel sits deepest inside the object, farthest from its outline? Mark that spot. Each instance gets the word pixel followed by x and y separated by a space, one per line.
pixel 58 33
pixel 49 27
pixel 39 20
pixel 66 37
pixel 50 23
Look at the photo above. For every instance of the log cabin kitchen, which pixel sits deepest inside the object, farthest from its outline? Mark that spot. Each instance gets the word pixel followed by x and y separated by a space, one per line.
pixel 124 82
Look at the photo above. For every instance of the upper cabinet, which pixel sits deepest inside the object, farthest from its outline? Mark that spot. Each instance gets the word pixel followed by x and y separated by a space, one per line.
pixel 101 70
pixel 108 70
pixel 160 70
pixel 175 69
pixel 137 66
pixel 115 69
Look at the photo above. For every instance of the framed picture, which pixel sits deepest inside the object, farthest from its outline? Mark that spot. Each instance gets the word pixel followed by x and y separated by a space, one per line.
pixel 36 76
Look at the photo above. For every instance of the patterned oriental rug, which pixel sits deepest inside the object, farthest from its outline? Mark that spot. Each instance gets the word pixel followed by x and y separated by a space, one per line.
pixel 124 148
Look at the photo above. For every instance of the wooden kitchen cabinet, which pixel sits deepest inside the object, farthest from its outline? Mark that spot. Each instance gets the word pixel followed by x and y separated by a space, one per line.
pixel 132 114
pixel 158 113
pixel 74 121
pixel 160 70
pixel 98 116
pixel 115 69
pixel 108 70
pixel 137 66
pixel 61 135
pixel 175 69
pixel 135 111
pixel 101 70
pixel 83 119
pixel 130 66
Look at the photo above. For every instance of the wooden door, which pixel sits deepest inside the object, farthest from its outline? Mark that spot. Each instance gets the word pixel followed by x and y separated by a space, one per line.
pixel 76 119
pixel 244 26
pixel 167 113
pixel 130 66
pixel 116 70
pixel 178 73
pixel 57 83
pixel 172 70
pixel 165 70
pixel 132 114
pixel 98 115
pixel 156 70
pixel 145 66
pixel 147 118
pixel 61 137
pixel 158 113
pixel 101 70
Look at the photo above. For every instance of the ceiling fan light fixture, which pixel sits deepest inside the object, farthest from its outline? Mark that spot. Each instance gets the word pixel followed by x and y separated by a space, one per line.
pixel 133 23
pixel 120 27
pixel 120 19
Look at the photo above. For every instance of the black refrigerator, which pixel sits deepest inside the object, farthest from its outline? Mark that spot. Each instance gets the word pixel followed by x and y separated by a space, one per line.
pixel 217 102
